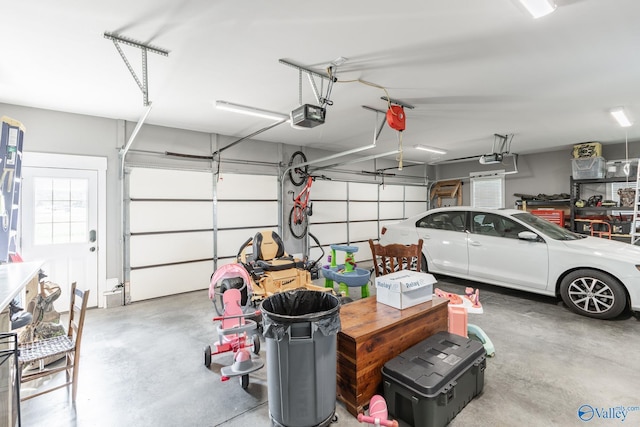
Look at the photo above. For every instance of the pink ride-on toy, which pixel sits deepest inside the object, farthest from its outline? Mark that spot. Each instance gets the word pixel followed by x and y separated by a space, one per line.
pixel 378 415
pixel 233 335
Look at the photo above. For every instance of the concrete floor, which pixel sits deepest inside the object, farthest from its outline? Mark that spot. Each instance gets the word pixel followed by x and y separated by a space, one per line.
pixel 142 365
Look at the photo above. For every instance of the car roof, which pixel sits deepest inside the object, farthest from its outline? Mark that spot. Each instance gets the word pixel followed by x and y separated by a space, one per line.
pixel 499 211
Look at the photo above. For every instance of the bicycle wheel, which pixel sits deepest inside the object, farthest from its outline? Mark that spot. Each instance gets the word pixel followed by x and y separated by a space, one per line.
pixel 297 222
pixel 296 174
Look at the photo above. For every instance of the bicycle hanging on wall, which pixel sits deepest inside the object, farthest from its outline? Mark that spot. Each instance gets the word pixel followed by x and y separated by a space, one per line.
pixel 302 207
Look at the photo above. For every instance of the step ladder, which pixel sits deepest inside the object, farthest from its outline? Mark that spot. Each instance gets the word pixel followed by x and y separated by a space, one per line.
pixel 635 223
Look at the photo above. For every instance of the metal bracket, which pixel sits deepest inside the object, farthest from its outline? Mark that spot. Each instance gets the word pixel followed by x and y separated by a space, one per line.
pixel 397 102
pixel 310 75
pixel 378 130
pixel 144 85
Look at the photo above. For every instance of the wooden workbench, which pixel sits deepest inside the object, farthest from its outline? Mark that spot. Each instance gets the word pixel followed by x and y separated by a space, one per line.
pixel 372 334
pixel 14 278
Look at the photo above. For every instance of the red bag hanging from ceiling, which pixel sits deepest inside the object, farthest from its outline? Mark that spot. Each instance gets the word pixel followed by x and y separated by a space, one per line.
pixel 396 117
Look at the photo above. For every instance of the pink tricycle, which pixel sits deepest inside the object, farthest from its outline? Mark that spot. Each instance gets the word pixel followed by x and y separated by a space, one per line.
pixel 236 334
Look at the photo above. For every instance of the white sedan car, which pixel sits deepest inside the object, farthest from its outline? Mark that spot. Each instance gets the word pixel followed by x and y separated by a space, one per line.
pixel 595 277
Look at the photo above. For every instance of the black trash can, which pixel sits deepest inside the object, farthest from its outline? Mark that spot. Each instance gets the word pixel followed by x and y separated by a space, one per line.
pixel 300 330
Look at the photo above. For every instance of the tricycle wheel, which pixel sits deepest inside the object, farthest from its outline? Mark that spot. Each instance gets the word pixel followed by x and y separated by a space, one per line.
pixel 207 356
pixel 256 344
pixel 244 381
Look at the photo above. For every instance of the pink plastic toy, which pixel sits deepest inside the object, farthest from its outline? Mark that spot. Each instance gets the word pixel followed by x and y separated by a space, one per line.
pixel 378 415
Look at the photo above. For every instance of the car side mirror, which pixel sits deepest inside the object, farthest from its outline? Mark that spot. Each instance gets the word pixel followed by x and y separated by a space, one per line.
pixel 528 235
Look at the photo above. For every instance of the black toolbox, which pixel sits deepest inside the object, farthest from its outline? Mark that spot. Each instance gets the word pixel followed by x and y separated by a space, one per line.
pixel 430 383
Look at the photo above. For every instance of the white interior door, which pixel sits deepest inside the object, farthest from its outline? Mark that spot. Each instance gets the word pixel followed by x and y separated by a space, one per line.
pixel 59 223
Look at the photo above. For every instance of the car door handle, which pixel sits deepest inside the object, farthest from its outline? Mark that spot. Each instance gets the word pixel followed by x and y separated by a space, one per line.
pixel 474 243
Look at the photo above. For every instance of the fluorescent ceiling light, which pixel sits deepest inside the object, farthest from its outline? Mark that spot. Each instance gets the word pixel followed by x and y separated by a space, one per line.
pixel 430 149
pixel 621 117
pixel 250 111
pixel 539 8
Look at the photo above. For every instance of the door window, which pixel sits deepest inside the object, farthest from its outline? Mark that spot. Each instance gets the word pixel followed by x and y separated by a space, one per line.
pixel 61 214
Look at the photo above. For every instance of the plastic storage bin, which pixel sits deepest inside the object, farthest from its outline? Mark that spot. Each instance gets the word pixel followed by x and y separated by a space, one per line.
pixel 588 168
pixel 300 330
pixel 430 383
pixel 622 169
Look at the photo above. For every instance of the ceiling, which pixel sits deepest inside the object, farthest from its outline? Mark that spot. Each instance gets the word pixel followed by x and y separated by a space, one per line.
pixel 470 68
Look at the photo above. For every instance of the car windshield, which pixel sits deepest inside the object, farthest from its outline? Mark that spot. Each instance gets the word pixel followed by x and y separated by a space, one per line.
pixel 548 228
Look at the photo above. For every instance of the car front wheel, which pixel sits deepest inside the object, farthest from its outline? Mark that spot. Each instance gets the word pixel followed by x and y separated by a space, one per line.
pixel 593 294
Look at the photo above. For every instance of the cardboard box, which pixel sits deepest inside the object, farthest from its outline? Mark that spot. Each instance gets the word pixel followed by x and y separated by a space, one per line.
pixel 587 149
pixel 404 288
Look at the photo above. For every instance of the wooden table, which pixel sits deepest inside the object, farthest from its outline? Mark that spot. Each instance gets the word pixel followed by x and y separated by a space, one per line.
pixel 372 334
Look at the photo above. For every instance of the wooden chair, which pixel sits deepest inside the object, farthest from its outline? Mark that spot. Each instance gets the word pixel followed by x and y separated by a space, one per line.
pixel 394 257
pixel 67 346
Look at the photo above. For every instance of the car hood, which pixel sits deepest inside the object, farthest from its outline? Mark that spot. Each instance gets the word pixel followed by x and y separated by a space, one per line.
pixel 606 248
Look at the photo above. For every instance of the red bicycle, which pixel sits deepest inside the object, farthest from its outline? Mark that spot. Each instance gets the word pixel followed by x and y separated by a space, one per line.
pixel 302 207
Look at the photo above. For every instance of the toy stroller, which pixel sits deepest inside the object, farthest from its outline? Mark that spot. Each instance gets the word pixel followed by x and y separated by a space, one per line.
pixel 233 332
pixel 378 415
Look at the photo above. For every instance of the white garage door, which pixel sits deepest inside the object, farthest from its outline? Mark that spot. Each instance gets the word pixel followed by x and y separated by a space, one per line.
pixel 171 225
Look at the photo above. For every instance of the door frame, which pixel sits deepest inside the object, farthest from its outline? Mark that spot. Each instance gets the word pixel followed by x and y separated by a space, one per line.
pixel 98 164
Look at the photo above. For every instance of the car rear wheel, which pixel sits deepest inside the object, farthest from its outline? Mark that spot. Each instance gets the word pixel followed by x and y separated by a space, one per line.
pixel 593 293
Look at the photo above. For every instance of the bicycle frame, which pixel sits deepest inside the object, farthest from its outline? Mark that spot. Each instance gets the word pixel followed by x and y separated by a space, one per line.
pixel 301 201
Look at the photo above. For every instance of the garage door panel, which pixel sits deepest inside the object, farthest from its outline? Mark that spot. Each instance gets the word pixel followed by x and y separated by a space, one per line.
pixel 361 191
pixel 229 241
pixel 363 211
pixel 255 187
pixel 151 216
pixel 413 193
pixel 328 212
pixel 162 281
pixel 329 233
pixel 328 190
pixel 392 192
pixel 391 210
pixel 414 208
pixel 363 230
pixel 170 184
pixel 247 214
pixel 154 249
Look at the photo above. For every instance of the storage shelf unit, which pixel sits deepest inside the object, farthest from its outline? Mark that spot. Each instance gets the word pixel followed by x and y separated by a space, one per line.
pixel 599 213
